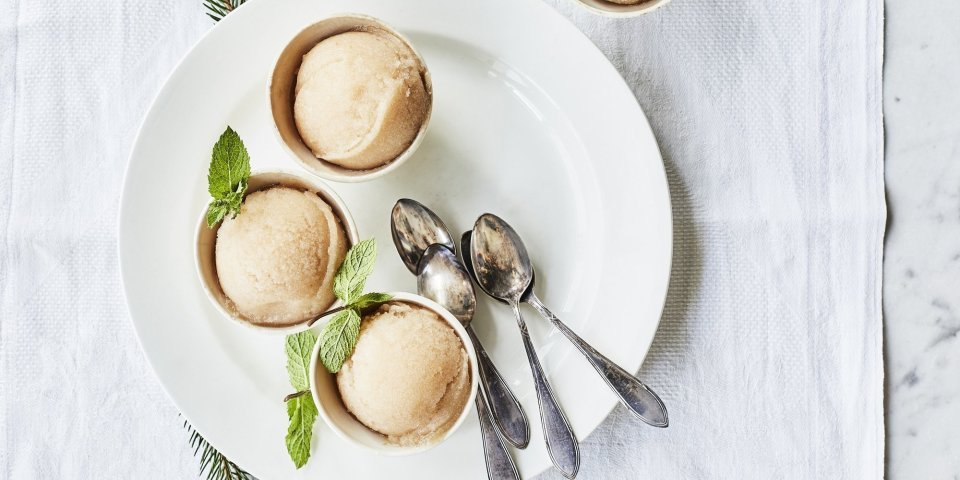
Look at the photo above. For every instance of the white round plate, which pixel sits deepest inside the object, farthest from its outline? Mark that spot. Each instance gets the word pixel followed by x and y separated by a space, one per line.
pixel 530 122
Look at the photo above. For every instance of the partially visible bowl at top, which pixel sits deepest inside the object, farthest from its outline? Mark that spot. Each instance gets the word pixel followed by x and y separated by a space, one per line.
pixel 206 245
pixel 282 92
pixel 621 10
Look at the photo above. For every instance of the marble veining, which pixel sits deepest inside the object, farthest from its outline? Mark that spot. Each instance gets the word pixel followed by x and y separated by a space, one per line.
pixel 922 256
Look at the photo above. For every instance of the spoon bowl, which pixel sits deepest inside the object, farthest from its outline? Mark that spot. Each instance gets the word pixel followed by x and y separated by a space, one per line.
pixel 414 228
pixel 465 242
pixel 500 261
pixel 443 279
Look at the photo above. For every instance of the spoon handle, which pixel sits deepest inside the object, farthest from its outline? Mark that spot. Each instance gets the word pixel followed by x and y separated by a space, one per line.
pixel 500 464
pixel 504 406
pixel 561 442
pixel 634 395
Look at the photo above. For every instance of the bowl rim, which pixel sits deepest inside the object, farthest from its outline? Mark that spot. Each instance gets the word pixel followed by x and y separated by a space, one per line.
pixel 397 450
pixel 328 194
pixel 621 11
pixel 322 168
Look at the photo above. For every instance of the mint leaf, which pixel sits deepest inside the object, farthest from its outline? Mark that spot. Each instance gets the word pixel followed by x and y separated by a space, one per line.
pixel 338 339
pixel 370 300
pixel 227 178
pixel 302 413
pixel 301 410
pixel 229 164
pixel 235 198
pixel 299 348
pixel 353 272
pixel 216 211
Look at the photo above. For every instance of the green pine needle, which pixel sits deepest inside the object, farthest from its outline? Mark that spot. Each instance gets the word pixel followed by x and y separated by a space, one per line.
pixel 217 9
pixel 214 463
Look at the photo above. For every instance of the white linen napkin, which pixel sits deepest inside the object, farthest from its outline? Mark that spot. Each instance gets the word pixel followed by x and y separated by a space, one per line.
pixel 769 354
pixel 77 398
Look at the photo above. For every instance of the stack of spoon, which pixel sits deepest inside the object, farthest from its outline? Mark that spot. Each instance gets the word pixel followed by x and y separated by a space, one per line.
pixel 495 257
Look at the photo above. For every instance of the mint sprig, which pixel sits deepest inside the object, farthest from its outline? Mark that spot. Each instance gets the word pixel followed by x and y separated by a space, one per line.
pixel 301 410
pixel 337 341
pixel 227 178
pixel 339 336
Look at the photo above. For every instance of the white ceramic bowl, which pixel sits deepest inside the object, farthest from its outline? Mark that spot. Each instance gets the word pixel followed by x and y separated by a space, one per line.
pixel 206 239
pixel 615 10
pixel 283 79
pixel 326 395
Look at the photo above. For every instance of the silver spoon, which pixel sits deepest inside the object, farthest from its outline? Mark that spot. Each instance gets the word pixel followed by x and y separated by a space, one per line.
pixel 443 279
pixel 503 270
pixel 414 225
pixel 634 394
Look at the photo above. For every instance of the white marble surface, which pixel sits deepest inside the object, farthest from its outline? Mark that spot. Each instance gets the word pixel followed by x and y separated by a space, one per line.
pixel 922 258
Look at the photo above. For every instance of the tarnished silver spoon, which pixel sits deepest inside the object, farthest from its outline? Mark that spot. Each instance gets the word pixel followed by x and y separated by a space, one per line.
pixel 634 394
pixel 447 283
pixel 503 270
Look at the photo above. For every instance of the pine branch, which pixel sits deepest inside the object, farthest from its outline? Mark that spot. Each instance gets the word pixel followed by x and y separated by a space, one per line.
pixel 214 463
pixel 217 9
